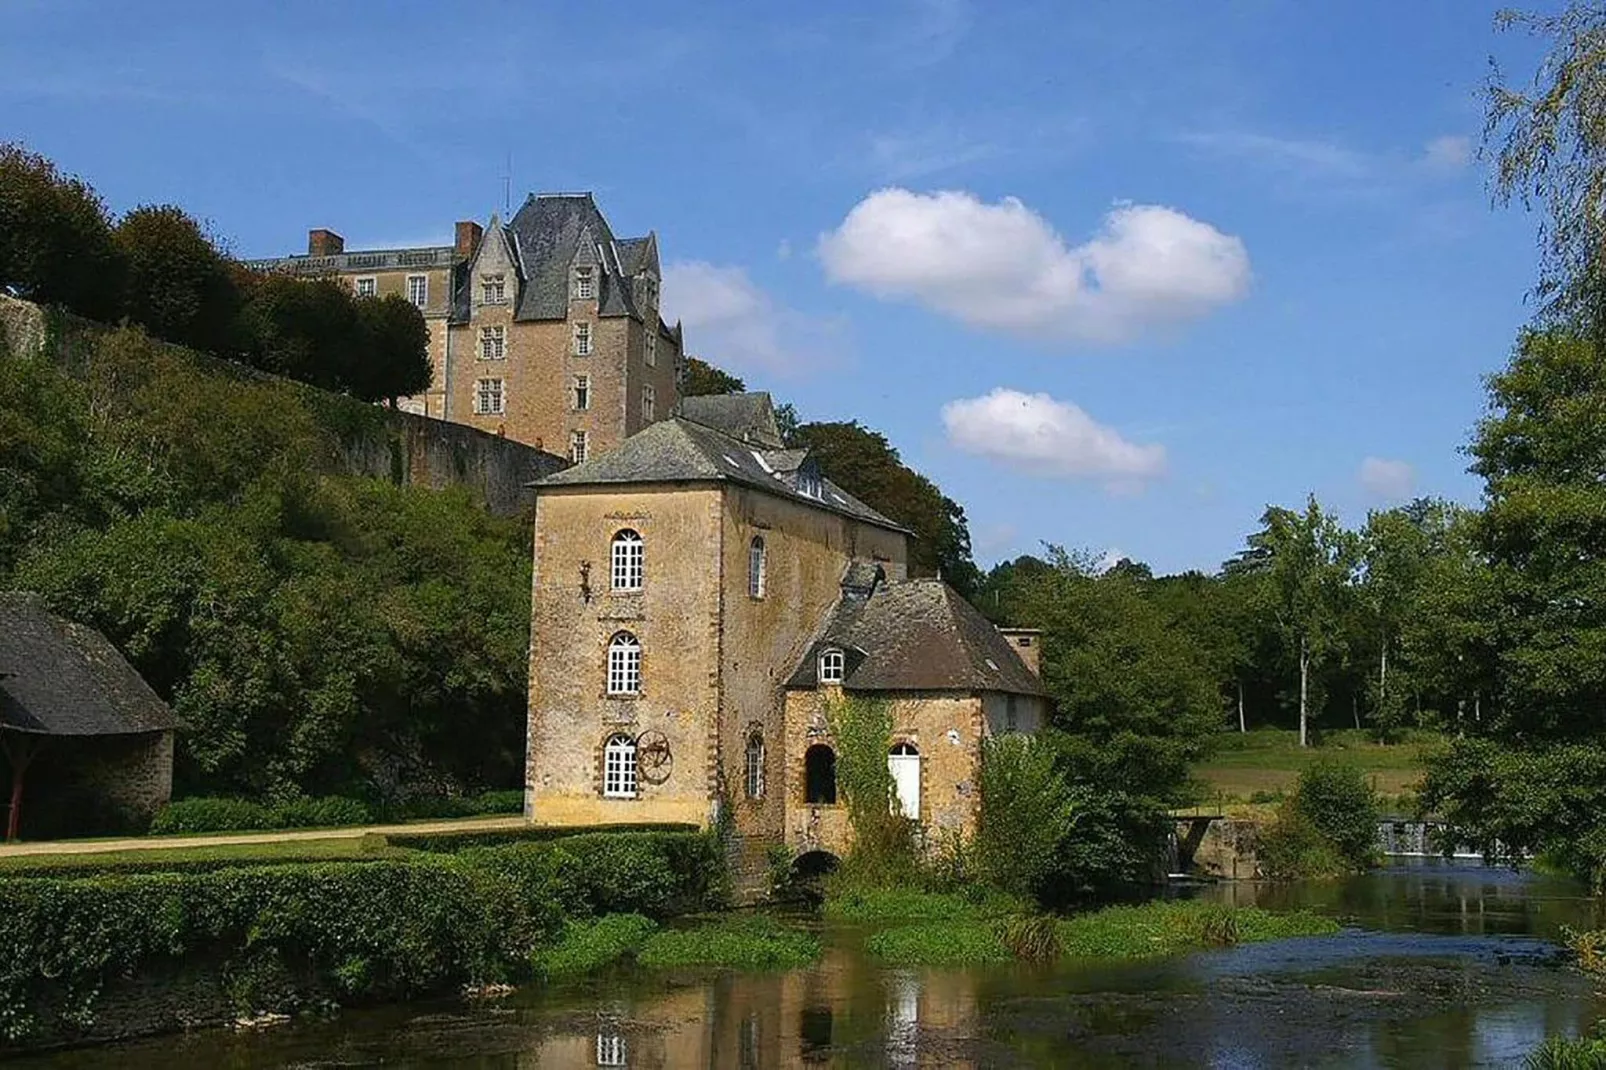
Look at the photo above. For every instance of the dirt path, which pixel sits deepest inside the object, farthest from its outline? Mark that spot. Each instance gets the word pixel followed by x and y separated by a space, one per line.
pixel 164 843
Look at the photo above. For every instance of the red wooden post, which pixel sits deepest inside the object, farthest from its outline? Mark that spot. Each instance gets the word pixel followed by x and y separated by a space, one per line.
pixel 20 751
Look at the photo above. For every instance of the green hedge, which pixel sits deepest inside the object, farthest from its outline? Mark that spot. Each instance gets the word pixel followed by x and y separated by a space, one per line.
pixel 222 814
pixel 348 931
pixel 450 841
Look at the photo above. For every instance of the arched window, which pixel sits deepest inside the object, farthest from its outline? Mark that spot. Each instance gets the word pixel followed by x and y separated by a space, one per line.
pixel 819 774
pixel 619 768
pixel 755 766
pixel 831 666
pixel 755 567
pixel 627 557
pixel 624 665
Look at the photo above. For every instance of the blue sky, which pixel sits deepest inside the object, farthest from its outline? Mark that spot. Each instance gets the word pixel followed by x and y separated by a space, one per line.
pixel 1116 274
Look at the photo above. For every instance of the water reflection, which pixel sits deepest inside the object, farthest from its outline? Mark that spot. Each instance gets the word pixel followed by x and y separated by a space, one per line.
pixel 1455 973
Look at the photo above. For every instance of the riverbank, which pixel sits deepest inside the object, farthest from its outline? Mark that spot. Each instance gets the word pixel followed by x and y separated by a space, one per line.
pixel 91 957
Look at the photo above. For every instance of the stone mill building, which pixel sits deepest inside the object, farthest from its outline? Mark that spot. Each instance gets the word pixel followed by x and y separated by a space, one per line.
pixel 700 594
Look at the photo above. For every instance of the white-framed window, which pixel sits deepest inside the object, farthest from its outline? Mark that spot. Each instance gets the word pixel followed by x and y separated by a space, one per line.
pixel 490 399
pixel 493 343
pixel 577 446
pixel 585 283
pixel 619 767
pixel 755 766
pixel 624 666
pixel 809 483
pixel 493 289
pixel 582 392
pixel 831 666
pixel 627 560
pixel 755 567
pixel 649 404
pixel 650 354
pixel 368 287
pixel 418 290
pixel 610 1048
pixel 582 339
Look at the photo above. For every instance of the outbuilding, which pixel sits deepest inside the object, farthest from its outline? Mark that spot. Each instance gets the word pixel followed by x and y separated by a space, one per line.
pixel 88 744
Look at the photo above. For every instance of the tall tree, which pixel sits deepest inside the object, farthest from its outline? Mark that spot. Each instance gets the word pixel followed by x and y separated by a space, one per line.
pixel 701 378
pixel 176 283
pixel 1309 562
pixel 394 354
pixel 55 237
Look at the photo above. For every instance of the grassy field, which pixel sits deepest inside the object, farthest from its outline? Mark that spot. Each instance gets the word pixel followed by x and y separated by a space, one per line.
pixel 321 850
pixel 1268 761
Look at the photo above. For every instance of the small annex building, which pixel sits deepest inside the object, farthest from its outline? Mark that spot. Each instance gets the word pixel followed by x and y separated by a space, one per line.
pixel 88 744
pixel 700 595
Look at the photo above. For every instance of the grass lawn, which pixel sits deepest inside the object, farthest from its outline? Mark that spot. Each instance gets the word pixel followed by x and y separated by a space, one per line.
pixel 1269 760
pixel 324 850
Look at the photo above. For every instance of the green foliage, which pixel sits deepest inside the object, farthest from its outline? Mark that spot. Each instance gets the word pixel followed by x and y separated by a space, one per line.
pixel 750 942
pixel 861 905
pixel 1027 813
pixel 866 465
pixel 211 815
pixel 1172 927
pixel 883 847
pixel 1569 1053
pixel 1327 826
pixel 966 943
pixel 588 946
pixel 394 347
pixel 55 237
pixel 1033 937
pixel 176 284
pixel 701 378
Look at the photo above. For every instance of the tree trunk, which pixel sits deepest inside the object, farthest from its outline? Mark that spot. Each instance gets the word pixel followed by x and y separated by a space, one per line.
pixel 1383 675
pixel 1355 708
pixel 1242 726
pixel 1304 692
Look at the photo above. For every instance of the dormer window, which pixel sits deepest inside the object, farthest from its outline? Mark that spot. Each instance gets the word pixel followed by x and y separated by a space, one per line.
pixel 585 284
pixel 493 289
pixel 647 294
pixel 831 665
pixel 809 483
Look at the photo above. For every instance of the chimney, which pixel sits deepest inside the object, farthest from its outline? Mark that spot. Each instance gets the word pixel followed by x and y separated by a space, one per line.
pixel 468 237
pixel 321 242
pixel 1027 643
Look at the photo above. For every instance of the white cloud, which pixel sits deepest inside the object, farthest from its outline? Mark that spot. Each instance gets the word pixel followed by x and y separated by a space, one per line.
pixel 732 322
pixel 1038 434
pixel 1449 152
pixel 1003 266
pixel 1387 480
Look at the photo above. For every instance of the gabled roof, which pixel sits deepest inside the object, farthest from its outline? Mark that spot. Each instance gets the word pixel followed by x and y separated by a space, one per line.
pixel 548 231
pixel 678 450
pixel 64 679
pixel 915 635
pixel 749 417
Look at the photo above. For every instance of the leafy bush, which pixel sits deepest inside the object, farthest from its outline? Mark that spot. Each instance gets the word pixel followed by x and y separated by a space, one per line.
pixel 211 815
pixel 453 840
pixel 1026 814
pixel 1569 1053
pixel 1034 937
pixel 1327 826
pixel 329 812
pixel 883 850
pixel 849 902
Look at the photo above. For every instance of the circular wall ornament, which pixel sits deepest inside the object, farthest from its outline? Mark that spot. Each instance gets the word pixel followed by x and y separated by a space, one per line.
pixel 653 758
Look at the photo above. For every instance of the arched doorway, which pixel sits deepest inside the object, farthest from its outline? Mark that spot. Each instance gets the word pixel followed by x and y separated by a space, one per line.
pixel 819 775
pixel 903 762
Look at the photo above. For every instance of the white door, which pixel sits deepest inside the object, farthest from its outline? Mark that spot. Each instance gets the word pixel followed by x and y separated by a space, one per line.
pixel 904 764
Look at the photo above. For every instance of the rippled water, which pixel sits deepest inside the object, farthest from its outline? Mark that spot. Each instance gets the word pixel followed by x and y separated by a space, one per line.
pixel 1446 966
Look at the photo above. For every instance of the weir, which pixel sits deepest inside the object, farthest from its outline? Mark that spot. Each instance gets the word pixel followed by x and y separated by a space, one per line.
pixel 1222 847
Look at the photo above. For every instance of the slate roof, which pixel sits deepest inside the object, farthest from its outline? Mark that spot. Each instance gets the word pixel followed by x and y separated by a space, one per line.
pixel 546 233
pixel 679 450
pixel 915 635
pixel 749 417
pixel 64 679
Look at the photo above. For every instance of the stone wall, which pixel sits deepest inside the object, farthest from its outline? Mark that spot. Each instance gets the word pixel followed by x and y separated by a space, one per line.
pixel 373 441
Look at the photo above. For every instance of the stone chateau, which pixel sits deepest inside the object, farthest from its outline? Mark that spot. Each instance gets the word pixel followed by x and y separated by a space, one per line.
pixel 700 595
pixel 545 328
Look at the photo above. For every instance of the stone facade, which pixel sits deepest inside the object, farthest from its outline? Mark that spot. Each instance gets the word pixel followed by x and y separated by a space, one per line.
pixel 739 562
pixel 544 329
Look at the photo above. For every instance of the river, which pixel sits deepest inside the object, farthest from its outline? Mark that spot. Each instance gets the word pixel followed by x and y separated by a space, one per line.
pixel 1443 965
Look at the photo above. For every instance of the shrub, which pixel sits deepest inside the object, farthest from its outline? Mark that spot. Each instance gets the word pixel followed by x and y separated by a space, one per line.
pixel 1026 814
pixel 588 946
pixel 211 815
pixel 329 812
pixel 1034 937
pixel 883 849
pixel 939 944
pixel 1569 1053
pixel 1327 826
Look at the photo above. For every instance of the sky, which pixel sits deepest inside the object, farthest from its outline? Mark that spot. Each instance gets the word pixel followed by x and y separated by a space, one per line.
pixel 1116 274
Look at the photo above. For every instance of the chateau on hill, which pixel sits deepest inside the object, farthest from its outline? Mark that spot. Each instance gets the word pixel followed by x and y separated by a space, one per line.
pixel 545 328
pixel 701 595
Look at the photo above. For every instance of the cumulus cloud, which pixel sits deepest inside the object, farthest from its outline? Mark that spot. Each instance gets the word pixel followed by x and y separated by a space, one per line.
pixel 1038 434
pixel 732 322
pixel 1449 152
pixel 1002 266
pixel 1387 480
